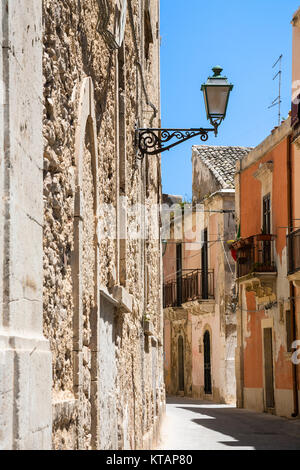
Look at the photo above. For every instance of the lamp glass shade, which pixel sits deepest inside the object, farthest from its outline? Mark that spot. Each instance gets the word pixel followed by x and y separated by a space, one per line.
pixel 216 95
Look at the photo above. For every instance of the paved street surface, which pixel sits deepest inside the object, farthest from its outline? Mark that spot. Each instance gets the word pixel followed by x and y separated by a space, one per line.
pixel 194 425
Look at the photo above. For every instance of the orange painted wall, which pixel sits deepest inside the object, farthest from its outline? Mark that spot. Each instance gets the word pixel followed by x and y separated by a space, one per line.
pixel 253 358
pixel 251 223
pixel 251 206
pixel 284 376
pixel 296 162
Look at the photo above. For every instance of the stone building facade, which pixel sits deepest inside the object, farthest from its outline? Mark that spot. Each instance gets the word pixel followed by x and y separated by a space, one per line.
pixel 91 281
pixel 199 275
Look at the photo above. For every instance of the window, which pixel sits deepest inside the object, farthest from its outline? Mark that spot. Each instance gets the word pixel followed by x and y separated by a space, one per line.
pixel 267 214
pixel 121 143
pixel 267 229
pixel 147 29
pixel 179 273
pixel 122 119
pixel 204 264
pixel 295 111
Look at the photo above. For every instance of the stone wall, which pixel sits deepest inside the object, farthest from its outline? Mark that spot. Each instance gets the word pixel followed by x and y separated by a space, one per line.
pixel 107 375
pixel 25 359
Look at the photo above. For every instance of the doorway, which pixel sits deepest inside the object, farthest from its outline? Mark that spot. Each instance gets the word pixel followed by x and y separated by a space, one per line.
pixel 266 248
pixel 207 364
pixel 179 273
pixel 269 374
pixel 180 364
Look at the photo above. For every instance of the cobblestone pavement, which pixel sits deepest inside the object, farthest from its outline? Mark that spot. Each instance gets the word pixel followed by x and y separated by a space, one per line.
pixel 195 425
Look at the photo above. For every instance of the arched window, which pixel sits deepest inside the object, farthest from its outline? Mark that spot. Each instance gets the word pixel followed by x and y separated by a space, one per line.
pixel 121 152
pixel 207 363
pixel 85 260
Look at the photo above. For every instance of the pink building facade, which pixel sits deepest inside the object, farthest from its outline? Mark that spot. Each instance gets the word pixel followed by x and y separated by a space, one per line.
pixel 199 275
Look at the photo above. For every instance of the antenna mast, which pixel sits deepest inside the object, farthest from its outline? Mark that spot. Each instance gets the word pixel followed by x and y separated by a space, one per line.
pixel 278 101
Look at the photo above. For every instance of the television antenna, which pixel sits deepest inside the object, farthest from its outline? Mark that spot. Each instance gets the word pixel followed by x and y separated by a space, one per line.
pixel 278 101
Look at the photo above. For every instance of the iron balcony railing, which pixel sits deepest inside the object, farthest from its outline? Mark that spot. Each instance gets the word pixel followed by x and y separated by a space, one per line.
pixel 191 285
pixel 293 243
pixel 255 254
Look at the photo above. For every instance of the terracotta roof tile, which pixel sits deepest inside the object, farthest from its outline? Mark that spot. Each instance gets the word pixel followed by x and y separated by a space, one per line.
pixel 221 161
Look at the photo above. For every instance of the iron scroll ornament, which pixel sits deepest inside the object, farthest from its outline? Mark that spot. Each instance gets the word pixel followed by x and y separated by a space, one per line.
pixel 156 141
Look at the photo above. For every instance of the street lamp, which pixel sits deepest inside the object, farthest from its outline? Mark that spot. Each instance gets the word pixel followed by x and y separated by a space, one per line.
pixel 216 93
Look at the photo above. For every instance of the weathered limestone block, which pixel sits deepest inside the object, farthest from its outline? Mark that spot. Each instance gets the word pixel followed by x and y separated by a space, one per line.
pixel 25 359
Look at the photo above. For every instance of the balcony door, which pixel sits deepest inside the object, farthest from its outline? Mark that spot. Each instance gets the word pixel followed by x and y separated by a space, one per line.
pixel 266 249
pixel 179 273
pixel 267 214
pixel 204 264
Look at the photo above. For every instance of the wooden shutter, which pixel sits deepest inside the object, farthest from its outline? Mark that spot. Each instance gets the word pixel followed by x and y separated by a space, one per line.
pixel 295 111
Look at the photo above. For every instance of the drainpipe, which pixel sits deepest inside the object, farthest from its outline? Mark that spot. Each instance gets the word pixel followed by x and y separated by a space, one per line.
pixel 240 302
pixel 292 287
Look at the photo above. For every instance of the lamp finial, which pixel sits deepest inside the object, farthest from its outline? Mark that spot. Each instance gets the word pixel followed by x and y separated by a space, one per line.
pixel 217 70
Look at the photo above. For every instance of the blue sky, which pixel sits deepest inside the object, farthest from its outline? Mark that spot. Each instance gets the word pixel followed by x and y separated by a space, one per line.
pixel 245 38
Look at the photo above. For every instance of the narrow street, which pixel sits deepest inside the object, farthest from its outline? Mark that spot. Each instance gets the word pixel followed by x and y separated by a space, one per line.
pixel 194 425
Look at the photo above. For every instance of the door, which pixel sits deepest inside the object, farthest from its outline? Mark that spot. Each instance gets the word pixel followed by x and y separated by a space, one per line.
pixel 267 228
pixel 179 273
pixel 269 375
pixel 267 214
pixel 180 364
pixel 204 265
pixel 108 433
pixel 207 364
pixel 154 376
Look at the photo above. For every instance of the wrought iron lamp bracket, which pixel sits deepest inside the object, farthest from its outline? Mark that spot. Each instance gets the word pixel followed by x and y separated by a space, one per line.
pixel 155 141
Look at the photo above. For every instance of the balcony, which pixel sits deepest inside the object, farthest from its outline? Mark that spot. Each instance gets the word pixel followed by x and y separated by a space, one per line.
pixel 293 242
pixel 192 285
pixel 255 255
